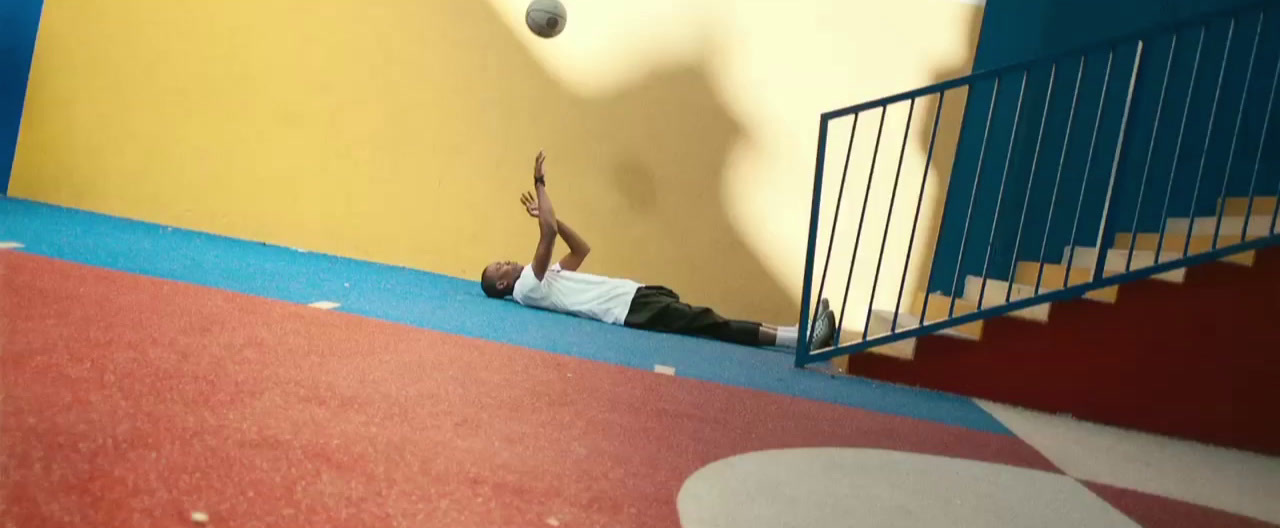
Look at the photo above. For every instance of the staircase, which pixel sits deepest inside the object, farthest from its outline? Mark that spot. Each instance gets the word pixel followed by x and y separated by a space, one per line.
pixel 1108 240
pixel 1192 358
pixel 1034 278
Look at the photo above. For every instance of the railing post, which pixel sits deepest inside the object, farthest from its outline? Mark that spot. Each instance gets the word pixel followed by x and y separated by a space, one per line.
pixel 806 297
pixel 1208 137
pixel 1104 230
pixel 1235 134
pixel 888 221
pixel 1057 184
pixel 1151 148
pixel 862 217
pixel 1177 146
pixel 1257 161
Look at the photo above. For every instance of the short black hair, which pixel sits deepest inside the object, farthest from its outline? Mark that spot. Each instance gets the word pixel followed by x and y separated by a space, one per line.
pixel 490 285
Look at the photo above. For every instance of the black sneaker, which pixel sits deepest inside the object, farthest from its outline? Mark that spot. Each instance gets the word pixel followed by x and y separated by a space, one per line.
pixel 824 326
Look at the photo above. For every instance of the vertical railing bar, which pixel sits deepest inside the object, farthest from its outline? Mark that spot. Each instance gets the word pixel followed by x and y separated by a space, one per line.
pixel 1253 181
pixel 1004 177
pixel 1031 180
pixel 835 220
pixel 942 220
pixel 1151 147
pixel 924 179
pixel 1088 164
pixel 1177 148
pixel 806 340
pixel 1275 213
pixel 1235 134
pixel 1208 136
pixel 1266 121
pixel 857 239
pixel 1100 262
pixel 964 235
pixel 1057 183
pixel 884 240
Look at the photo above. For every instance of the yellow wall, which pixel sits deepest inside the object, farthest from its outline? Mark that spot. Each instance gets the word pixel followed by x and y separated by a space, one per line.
pixel 680 137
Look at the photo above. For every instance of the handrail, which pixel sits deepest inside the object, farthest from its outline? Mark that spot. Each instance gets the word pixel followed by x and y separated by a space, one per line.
pixel 1109 166
pixel 971 78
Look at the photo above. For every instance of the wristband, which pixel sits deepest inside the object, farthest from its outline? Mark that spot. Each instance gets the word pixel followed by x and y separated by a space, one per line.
pixel 539 180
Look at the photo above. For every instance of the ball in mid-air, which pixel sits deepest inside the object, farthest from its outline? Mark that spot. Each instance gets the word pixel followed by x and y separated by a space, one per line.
pixel 545 18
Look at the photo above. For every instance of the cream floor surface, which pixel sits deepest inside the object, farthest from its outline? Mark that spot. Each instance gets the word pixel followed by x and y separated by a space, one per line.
pixel 841 486
pixel 1230 480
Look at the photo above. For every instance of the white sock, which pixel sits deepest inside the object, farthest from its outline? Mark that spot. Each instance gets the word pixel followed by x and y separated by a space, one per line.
pixel 788 336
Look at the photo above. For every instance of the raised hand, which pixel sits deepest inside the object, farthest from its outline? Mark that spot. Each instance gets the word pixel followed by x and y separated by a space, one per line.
pixel 537 167
pixel 530 204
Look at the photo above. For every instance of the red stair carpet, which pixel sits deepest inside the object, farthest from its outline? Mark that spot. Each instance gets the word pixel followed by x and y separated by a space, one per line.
pixel 1198 360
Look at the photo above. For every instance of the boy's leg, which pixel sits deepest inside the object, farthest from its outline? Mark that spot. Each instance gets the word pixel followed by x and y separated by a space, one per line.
pixel 659 309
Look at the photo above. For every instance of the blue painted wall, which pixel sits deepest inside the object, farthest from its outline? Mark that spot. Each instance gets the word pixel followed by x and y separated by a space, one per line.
pixel 18 22
pixel 1027 156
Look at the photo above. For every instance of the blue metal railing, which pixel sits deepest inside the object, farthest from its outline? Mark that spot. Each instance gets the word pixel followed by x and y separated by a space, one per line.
pixel 1080 151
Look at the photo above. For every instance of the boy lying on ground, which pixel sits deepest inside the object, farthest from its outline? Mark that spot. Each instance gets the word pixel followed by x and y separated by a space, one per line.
pixel 562 288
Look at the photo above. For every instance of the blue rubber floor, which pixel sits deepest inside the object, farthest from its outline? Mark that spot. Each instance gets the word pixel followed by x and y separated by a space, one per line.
pixel 446 304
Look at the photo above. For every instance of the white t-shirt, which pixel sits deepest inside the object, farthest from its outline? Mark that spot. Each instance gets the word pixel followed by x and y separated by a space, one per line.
pixel 582 294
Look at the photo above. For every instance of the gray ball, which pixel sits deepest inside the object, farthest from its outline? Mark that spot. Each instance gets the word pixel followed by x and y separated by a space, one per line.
pixel 545 18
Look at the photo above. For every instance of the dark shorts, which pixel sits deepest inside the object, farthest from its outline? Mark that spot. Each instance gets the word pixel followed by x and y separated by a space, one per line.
pixel 659 309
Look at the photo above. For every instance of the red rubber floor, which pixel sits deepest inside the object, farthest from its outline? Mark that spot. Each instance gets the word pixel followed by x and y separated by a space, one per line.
pixel 131 401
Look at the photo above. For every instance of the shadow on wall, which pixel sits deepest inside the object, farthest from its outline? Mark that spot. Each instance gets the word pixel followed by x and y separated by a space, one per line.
pixel 400 133
pixel 949 128
pixel 668 139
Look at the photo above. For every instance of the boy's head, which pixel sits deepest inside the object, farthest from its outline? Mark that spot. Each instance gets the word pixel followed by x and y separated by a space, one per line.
pixel 499 279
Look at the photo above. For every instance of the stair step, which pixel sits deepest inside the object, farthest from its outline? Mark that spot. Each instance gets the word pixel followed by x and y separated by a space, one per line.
pixel 1118 258
pixel 1199 244
pixel 1026 273
pixel 880 323
pixel 940 306
pixel 1259 224
pixel 995 294
pixel 882 320
pixel 1264 205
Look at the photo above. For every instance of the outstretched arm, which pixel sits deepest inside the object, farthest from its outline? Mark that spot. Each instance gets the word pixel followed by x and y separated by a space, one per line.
pixel 578 248
pixel 547 224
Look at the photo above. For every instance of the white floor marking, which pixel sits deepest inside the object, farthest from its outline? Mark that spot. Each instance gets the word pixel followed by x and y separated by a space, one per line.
pixel 820 487
pixel 663 369
pixel 1225 479
pixel 10 245
pixel 324 305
